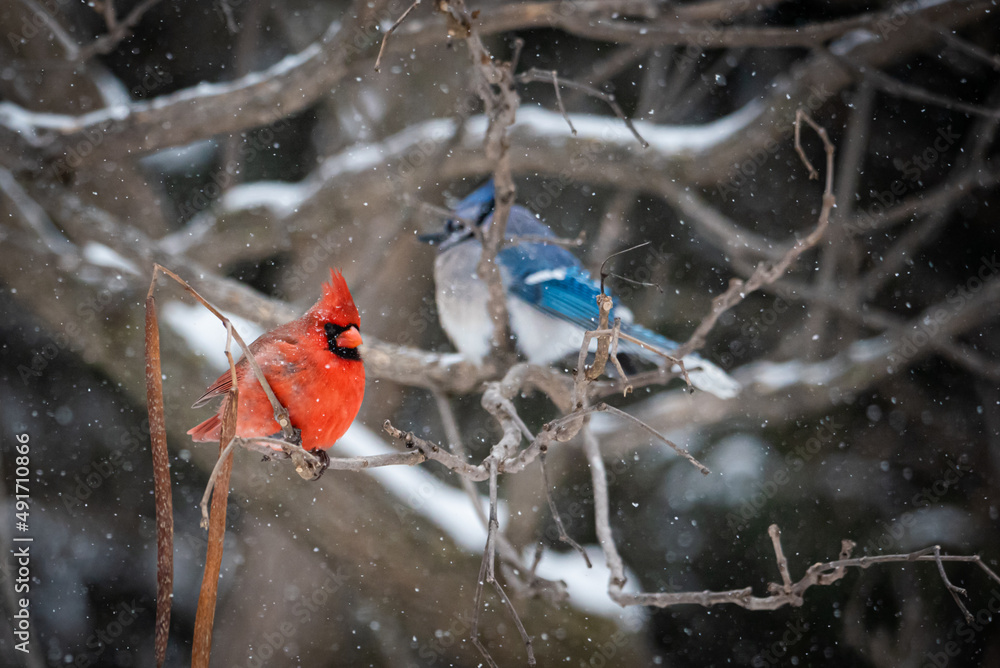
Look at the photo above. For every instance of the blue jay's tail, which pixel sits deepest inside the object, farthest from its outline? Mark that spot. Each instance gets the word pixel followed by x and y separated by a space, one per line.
pixel 703 374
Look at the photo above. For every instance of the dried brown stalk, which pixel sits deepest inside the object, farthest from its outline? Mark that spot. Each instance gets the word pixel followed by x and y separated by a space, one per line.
pixel 161 482
pixel 204 623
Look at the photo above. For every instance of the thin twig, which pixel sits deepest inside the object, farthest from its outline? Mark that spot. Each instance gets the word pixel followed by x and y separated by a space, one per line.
pixel 563 536
pixel 478 605
pixel 210 486
pixel 669 357
pixel 623 377
pixel 596 370
pixel 779 555
pixel 491 466
pixel 551 241
pixel 495 85
pixel 487 574
pixel 278 449
pixel 952 589
pixel 605 273
pixel 117 31
pixel 550 77
pixel 490 557
pixel 515 56
pixel 766 273
pixel 392 29
pixel 602 513
pixel 508 553
pixel 431 451
pixel 676 448
pixel 559 101
pixel 70 46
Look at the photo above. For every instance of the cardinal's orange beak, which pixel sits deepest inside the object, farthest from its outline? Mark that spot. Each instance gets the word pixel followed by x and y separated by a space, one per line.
pixel 349 338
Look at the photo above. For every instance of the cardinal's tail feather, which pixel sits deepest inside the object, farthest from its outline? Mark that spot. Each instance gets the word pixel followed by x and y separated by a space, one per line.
pixel 221 386
pixel 209 430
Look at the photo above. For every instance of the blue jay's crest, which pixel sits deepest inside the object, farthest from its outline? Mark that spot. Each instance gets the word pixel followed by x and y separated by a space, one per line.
pixel 551 298
pixel 473 211
pixel 478 204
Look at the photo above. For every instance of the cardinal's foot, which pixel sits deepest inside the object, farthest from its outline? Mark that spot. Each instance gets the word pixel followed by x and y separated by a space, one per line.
pixel 324 462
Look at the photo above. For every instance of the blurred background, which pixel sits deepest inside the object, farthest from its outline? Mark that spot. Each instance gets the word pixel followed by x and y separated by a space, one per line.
pixel 251 145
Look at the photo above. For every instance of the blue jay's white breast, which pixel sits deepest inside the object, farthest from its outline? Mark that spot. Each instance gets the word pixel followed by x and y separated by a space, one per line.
pixel 542 338
pixel 462 302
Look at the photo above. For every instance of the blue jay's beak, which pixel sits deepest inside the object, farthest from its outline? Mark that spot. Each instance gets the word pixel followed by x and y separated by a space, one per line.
pixel 433 238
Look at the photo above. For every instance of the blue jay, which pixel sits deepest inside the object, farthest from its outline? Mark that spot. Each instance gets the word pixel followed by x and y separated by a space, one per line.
pixel 551 298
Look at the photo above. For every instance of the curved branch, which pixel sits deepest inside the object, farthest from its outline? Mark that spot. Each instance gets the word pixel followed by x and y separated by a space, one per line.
pixel 38 141
pixel 66 143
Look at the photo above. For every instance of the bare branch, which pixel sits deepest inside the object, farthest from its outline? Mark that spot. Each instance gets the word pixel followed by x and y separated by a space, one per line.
pixel 494 84
pixel 676 448
pixel 117 30
pixel 768 273
pixel 563 536
pixel 602 513
pixel 553 78
pixel 901 89
pixel 791 593
pixel 392 29
pixel 64 39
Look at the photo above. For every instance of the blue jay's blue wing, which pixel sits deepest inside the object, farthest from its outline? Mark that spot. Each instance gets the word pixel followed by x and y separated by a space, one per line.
pixel 547 276
pixel 565 291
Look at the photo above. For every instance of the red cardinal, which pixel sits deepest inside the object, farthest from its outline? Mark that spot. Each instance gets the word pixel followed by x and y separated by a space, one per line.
pixel 314 367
